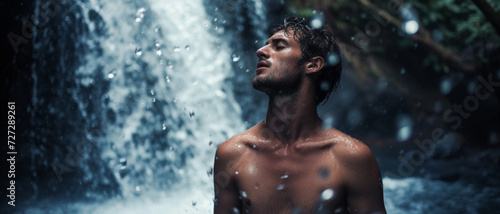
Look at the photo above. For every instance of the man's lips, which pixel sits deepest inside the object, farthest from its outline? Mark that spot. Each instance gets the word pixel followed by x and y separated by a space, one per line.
pixel 262 65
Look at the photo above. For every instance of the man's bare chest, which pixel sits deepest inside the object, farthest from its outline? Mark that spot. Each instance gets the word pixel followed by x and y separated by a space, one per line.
pixel 271 182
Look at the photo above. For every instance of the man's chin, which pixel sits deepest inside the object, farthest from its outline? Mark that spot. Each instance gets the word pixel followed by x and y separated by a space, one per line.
pixel 260 84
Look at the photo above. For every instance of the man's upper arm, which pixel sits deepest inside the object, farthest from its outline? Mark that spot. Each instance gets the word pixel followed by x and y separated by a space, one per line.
pixel 364 184
pixel 226 191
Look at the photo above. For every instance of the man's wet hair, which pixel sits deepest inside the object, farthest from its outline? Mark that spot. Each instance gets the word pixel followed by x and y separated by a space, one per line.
pixel 315 42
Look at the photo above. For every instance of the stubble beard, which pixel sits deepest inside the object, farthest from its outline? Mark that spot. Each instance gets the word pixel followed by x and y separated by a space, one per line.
pixel 271 84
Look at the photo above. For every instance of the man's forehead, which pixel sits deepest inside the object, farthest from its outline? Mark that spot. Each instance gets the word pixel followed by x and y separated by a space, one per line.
pixel 282 35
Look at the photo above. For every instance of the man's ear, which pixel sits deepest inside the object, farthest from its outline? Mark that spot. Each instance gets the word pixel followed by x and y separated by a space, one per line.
pixel 314 65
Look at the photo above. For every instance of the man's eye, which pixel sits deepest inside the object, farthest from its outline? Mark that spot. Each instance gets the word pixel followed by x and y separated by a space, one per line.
pixel 279 47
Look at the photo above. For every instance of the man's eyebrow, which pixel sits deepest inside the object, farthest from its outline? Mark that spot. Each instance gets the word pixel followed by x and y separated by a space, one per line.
pixel 277 40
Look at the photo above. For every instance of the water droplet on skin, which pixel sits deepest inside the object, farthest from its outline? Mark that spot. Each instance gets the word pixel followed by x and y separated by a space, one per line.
pixel 284 176
pixel 323 173
pixel 163 127
pixel 280 187
pixel 236 58
pixel 138 51
pixel 327 194
pixel 235 210
pixel 244 194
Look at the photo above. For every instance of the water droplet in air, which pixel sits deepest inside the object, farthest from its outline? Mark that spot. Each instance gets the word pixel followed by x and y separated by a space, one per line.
pixel 152 92
pixel 158 52
pixel 325 86
pixel 187 47
pixel 317 22
pixel 112 74
pixel 327 194
pixel 404 133
pixel 403 71
pixel 163 127
pixel 157 28
pixel 410 27
pixel 327 122
pixel 191 114
pixel 167 78
pixel 210 143
pixel 236 172
pixel 123 161
pixel 446 86
pixel 210 171
pixel 236 58
pixel 138 51
pixel 333 59
pixel 193 203
pixel 157 44
pixel 137 188
pixel 280 187
pixel 177 49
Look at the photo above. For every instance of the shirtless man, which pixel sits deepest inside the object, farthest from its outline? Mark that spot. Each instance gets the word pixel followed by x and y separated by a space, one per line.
pixel 290 163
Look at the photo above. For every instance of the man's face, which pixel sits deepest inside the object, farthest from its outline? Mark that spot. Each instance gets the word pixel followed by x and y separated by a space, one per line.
pixel 278 69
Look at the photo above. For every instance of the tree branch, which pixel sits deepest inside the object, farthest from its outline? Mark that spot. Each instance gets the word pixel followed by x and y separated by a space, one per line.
pixel 490 14
pixel 423 37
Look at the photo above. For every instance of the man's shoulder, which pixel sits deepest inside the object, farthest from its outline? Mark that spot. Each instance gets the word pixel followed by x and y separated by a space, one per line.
pixel 235 146
pixel 349 148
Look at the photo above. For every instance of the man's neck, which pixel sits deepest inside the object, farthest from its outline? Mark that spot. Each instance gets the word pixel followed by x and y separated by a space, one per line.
pixel 292 117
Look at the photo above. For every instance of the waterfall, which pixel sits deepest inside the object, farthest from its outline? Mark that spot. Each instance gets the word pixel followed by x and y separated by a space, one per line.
pixel 145 86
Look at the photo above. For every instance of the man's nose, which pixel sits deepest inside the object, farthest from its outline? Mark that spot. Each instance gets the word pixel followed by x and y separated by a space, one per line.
pixel 263 53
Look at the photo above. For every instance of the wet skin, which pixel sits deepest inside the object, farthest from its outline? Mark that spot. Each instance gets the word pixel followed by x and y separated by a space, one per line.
pixel 262 176
pixel 290 164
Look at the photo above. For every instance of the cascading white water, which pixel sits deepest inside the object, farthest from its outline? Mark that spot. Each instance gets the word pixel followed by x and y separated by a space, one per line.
pixel 166 73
